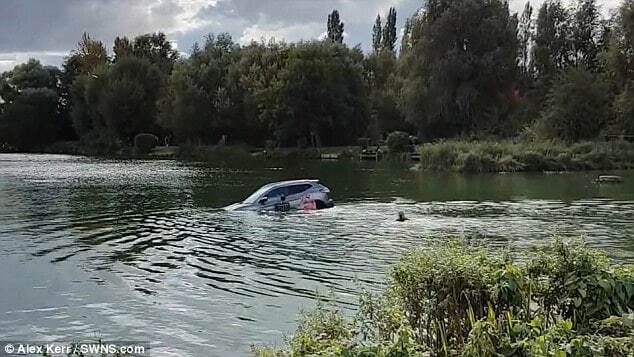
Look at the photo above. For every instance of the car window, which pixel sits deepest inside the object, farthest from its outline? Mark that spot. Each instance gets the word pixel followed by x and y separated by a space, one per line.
pixel 277 192
pixel 256 195
pixel 296 189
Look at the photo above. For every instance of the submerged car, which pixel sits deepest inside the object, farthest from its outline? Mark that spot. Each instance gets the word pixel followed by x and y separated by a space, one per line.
pixel 286 196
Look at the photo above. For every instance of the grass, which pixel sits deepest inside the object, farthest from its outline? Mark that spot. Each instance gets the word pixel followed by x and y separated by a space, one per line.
pixel 507 156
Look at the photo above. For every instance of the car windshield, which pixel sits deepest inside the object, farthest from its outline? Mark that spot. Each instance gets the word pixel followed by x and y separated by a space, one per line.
pixel 255 195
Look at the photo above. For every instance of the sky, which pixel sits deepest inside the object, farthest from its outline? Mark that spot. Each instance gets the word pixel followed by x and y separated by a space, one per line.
pixel 49 29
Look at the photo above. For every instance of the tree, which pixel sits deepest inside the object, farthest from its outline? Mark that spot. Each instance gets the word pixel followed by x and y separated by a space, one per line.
pixel 33 75
pixel 122 48
pixel 198 107
pixel 586 34
pixel 322 95
pixel 128 100
pixel 577 105
pixel 624 110
pixel 91 53
pixel 27 75
pixel 457 82
pixel 377 34
pixel 552 51
pixel 157 49
pixel 405 40
pixel 28 124
pixel 254 84
pixel 154 47
pixel 389 31
pixel 335 27
pixel 620 51
pixel 525 36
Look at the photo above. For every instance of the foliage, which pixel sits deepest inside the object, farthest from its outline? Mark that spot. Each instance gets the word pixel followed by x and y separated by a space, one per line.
pixel 196 105
pixel 576 105
pixel 388 37
pixel 458 299
pixel 459 81
pixel 466 68
pixel 28 124
pixel 91 53
pixel 321 95
pixel 377 34
pixel 506 156
pixel 127 102
pixel 624 110
pixel 398 142
pixel 335 27
pixel 144 143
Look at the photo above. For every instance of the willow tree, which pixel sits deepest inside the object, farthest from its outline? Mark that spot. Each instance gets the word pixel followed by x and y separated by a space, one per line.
pixel 459 82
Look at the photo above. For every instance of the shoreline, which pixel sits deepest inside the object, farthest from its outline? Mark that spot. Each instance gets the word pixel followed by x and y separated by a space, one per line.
pixel 443 156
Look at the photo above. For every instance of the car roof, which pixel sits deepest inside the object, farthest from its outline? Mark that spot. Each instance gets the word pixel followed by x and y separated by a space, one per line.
pixel 288 183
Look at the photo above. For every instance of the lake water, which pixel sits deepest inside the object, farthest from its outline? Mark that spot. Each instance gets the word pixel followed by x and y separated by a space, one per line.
pixel 141 250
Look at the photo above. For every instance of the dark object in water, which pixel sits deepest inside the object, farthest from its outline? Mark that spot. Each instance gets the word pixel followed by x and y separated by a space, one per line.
pixel 609 179
pixel 401 217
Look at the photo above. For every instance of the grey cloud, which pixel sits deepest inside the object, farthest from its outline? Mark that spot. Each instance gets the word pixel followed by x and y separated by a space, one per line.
pixel 42 27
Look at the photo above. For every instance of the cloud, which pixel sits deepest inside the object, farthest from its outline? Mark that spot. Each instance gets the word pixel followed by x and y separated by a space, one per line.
pixel 45 29
pixel 11 59
pixel 294 32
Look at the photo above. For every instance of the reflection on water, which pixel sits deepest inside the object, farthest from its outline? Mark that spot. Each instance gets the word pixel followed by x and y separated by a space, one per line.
pixel 141 250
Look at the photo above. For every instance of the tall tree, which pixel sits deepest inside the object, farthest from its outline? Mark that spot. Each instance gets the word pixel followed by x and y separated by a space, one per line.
pixel 122 48
pixel 459 81
pixel 92 54
pixel 620 52
pixel 389 31
pixel 323 95
pixel 157 49
pixel 552 51
pixel 525 36
pixel 198 105
pixel 586 34
pixel 405 40
pixel 128 100
pixel 376 34
pixel 335 27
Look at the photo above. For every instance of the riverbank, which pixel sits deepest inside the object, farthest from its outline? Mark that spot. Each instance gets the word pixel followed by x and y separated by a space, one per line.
pixel 508 156
pixel 453 155
pixel 459 299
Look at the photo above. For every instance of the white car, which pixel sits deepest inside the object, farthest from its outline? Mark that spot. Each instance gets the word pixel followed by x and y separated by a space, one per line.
pixel 286 196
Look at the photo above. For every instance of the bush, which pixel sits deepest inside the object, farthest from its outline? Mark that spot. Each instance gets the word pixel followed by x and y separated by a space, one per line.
pixel 144 143
pixel 458 299
pixel 398 142
pixel 624 110
pixel 534 156
pixel 577 104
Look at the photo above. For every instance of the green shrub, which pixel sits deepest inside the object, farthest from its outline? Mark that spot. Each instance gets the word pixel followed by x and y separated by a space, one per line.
pixel 439 156
pixel 577 104
pixel 144 143
pixel 458 299
pixel 534 156
pixel 398 142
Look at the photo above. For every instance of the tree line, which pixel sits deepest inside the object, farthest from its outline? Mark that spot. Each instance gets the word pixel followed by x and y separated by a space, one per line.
pixel 463 68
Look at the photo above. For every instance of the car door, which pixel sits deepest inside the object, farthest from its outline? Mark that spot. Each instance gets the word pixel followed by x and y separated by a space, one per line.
pixel 296 193
pixel 274 199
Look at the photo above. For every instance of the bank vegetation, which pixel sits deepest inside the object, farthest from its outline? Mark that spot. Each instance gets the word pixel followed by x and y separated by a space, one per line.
pixel 456 299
